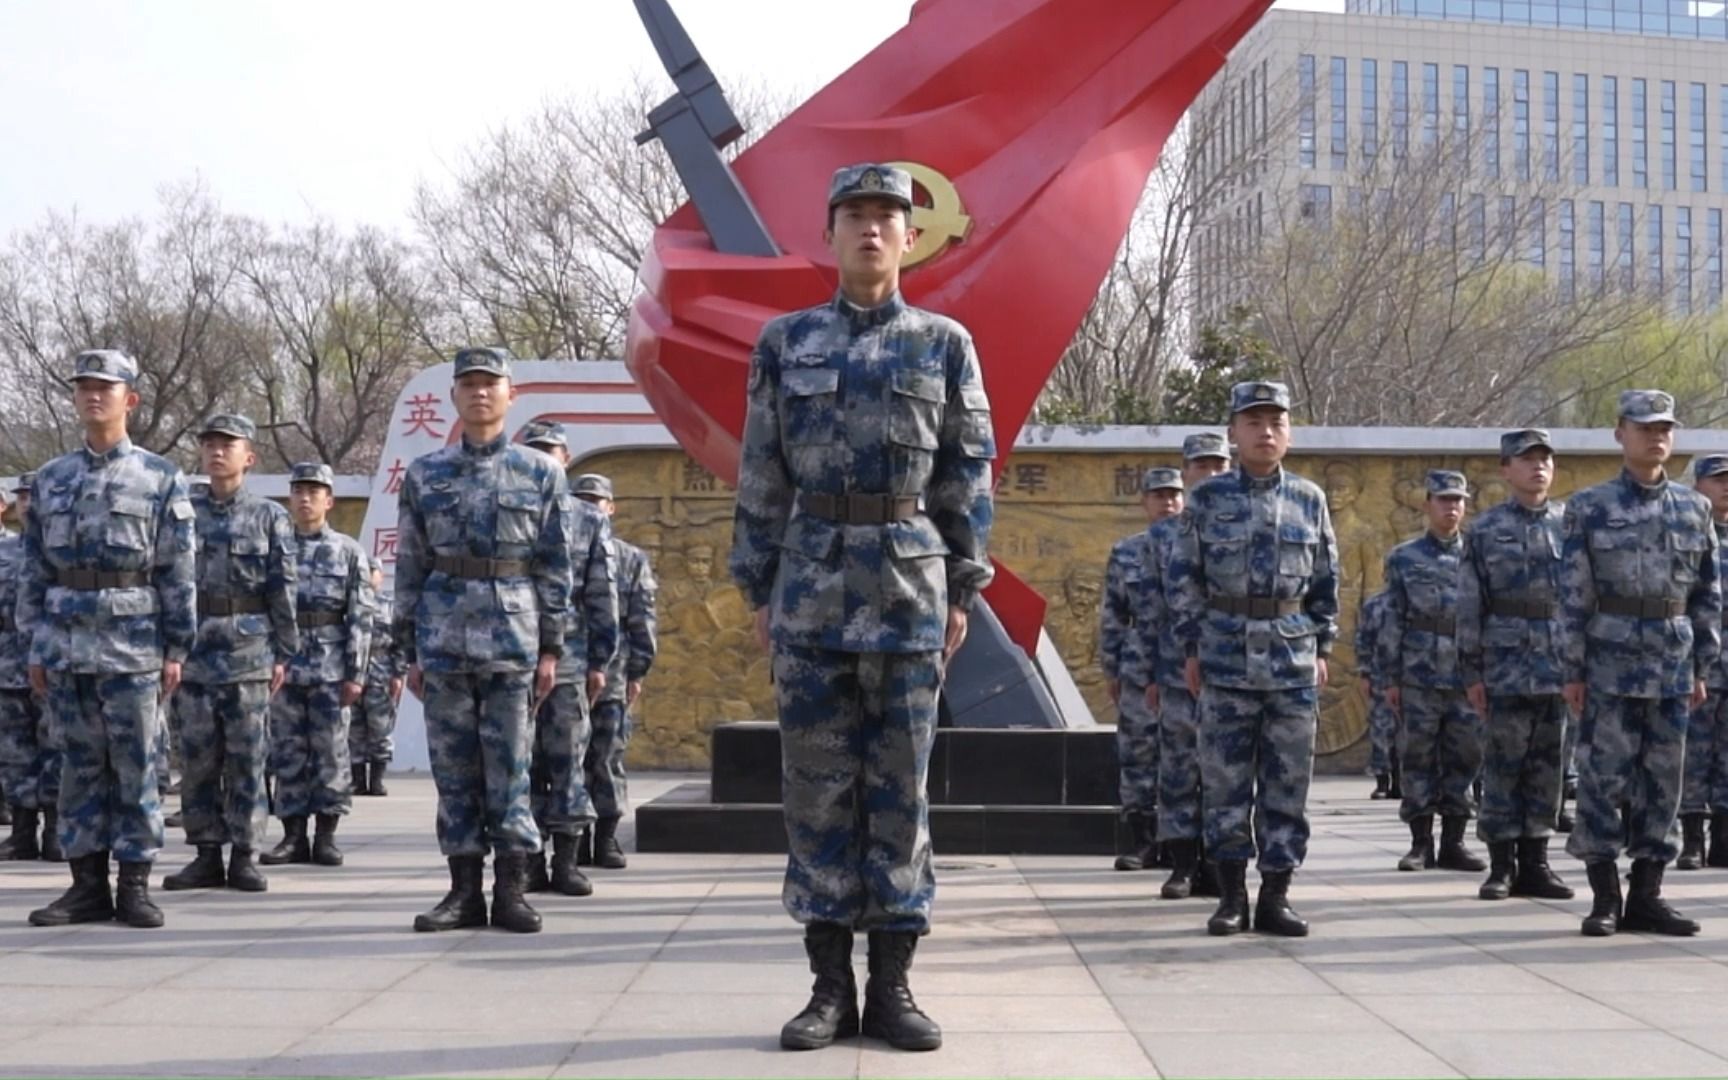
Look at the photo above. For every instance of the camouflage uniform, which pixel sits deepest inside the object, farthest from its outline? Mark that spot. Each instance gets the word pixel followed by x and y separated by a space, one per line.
pixel 29 761
pixel 637 644
pixel 108 596
pixel 372 719
pixel 864 510
pixel 1704 792
pixel 1382 721
pixel 1253 588
pixel 1122 654
pixel 246 626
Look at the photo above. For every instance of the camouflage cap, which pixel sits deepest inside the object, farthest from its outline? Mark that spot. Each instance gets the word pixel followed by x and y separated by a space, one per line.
pixel 592 484
pixel 1254 395
pixel 1514 443
pixel 1205 444
pixel 1444 483
pixel 1709 465
pixel 1647 407
pixel 544 433
pixel 27 481
pixel 106 365
pixel 870 181
pixel 487 358
pixel 312 472
pixel 232 424
pixel 1161 480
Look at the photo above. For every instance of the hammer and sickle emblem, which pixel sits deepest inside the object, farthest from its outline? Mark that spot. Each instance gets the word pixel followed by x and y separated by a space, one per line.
pixel 940 224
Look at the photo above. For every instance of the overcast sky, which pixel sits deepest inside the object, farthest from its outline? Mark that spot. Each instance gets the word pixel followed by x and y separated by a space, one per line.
pixel 290 107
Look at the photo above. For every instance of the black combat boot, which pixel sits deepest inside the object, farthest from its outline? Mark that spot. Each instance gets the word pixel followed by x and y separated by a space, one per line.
pixel 833 1009
pixel 88 900
pixel 1421 853
pixel 890 1014
pixel 1502 868
pixel 1563 821
pixel 132 903
pixel 243 873
pixel 1382 786
pixel 1135 857
pixel 175 819
pixel 294 848
pixel 1535 877
pixel 585 849
pixel 510 910
pixel 1645 908
pixel 51 849
pixel 1691 843
pixel 465 904
pixel 5 808
pixel 1272 912
pixel 1396 791
pixel 1453 854
pixel 324 849
pixel 203 872
pixel 357 775
pixel 566 878
pixel 1232 914
pixel 1604 917
pixel 534 877
pixel 1718 856
pixel 375 779
pixel 22 845
pixel 608 853
pixel 1185 855
pixel 1206 876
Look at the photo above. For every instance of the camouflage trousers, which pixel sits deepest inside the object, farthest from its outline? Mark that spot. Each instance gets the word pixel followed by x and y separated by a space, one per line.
pixel 1256 761
pixel 1705 788
pixel 1136 751
pixel 1382 734
pixel 557 788
pixel 1629 777
pixel 106 726
pixel 225 747
pixel 856 731
pixel 1521 775
pixel 309 751
pixel 1178 765
pixel 480 734
pixel 1440 753
pixel 372 724
pixel 29 760
pixel 168 758
pixel 608 787
pixel 1569 747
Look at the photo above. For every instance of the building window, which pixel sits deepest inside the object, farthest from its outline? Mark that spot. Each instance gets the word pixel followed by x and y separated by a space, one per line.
pixel 1626 251
pixel 1580 129
pixel 1491 122
pixel 1370 94
pixel 1340 117
pixel 1611 131
pixel 1430 106
pixel 1640 137
pixel 1521 123
pixel 1305 110
pixel 1316 204
pixel 1536 241
pixel 1476 227
pixel 1670 166
pixel 1697 124
pixel 1551 126
pixel 1653 242
pixel 1683 258
pixel 1400 108
pixel 1461 115
pixel 1506 228
pixel 1712 258
pixel 1598 243
pixel 1568 240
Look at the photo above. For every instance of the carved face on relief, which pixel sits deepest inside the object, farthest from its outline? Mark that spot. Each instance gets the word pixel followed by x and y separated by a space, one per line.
pixel 1343 486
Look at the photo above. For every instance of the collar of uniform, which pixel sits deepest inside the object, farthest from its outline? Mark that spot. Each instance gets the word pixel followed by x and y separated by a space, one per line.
pixel 1534 512
pixel 862 318
pixel 113 453
pixel 1446 543
pixel 222 504
pixel 1644 491
pixel 316 534
pixel 1721 529
pixel 486 449
pixel 1271 480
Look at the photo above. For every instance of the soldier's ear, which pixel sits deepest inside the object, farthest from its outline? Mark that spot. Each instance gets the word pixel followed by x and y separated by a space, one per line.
pixel 911 236
pixel 132 400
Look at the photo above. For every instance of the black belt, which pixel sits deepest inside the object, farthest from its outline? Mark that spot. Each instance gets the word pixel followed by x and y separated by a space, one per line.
pixel 219 606
pixel 1517 608
pixel 306 620
pixel 1432 624
pixel 1641 607
pixel 472 566
pixel 858 509
pixel 92 580
pixel 1255 607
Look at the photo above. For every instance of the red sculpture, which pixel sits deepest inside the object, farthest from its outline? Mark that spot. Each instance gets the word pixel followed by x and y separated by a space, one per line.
pixel 1044 117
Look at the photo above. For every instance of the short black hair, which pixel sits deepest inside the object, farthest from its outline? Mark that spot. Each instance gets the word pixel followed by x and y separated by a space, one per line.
pixel 905 213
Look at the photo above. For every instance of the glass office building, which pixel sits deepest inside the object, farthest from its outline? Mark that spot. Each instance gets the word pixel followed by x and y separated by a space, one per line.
pixel 1706 19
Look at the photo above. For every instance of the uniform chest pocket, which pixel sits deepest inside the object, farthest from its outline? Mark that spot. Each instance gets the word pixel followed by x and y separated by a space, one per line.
pixel 915 409
pixel 1224 547
pixel 1614 552
pixel 59 521
pixel 1296 547
pixel 128 524
pixel 327 580
pixel 809 403
pixel 246 555
pixel 441 516
pixel 1430 586
pixel 1689 549
pixel 518 516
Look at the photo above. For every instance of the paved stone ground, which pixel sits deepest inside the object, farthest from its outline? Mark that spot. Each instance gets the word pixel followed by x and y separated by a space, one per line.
pixel 685 966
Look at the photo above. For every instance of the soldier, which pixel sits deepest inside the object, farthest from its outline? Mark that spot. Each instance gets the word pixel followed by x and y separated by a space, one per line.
pixel 108 603
pixel 637 643
pixel 1510 662
pixel 864 509
pixel 1382 721
pixel 309 715
pixel 372 720
pixel 1204 455
pixel 482 611
pixel 29 763
pixel 1643 620
pixel 1704 794
pixel 1254 592
pixel 1440 736
pixel 246 635
pixel 1123 655
pixel 563 724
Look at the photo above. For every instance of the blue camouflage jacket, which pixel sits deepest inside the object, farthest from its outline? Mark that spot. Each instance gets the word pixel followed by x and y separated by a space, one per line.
pixel 123 511
pixel 1418 638
pixel 14 646
pixel 335 579
pixel 592 640
pixel 1122 618
pixel 1628 543
pixel 1165 656
pixel 1512 558
pixel 882 401
pixel 637 598
pixel 383 662
pixel 245 549
pixel 1370 624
